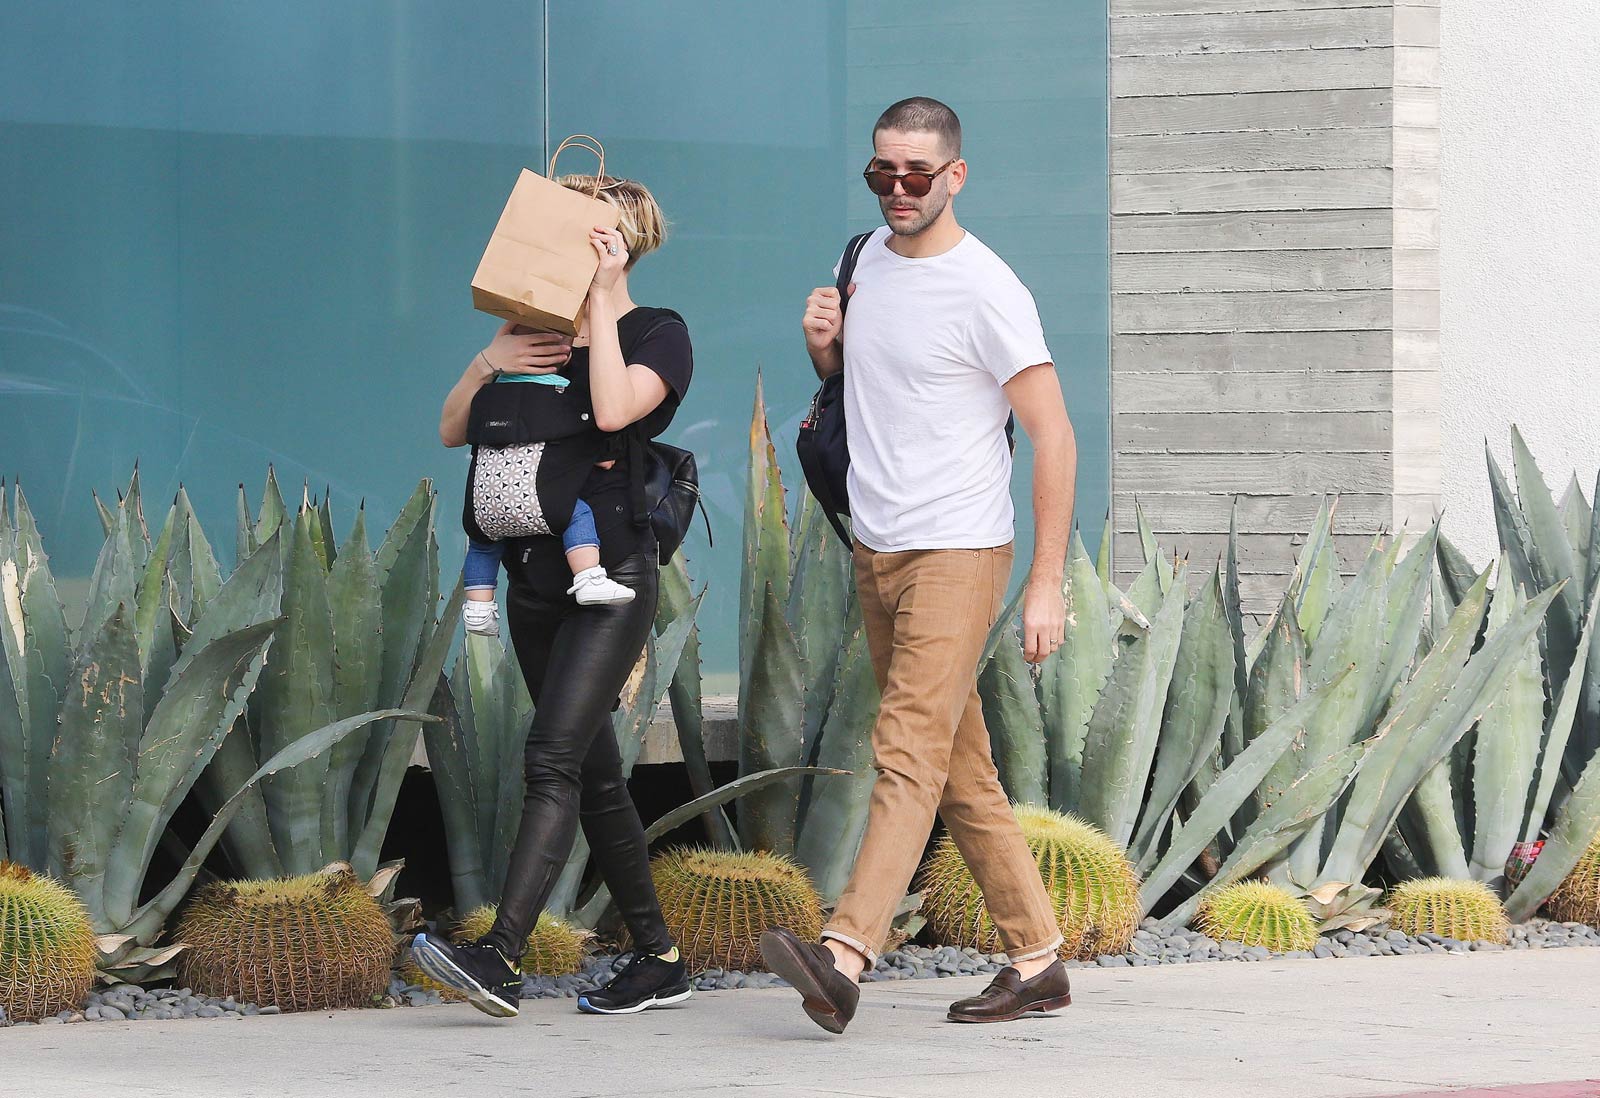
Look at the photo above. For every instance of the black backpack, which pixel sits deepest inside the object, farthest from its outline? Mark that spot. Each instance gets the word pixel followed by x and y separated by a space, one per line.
pixel 823 442
pixel 664 483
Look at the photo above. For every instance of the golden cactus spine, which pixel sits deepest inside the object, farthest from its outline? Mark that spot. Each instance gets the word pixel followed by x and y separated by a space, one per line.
pixel 1255 913
pixel 301 943
pixel 1092 885
pixel 47 954
pixel 1577 900
pixel 717 903
pixel 1468 911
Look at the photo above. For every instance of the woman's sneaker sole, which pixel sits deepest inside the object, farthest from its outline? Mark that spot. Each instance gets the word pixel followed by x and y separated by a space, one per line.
pixel 448 973
pixel 655 1001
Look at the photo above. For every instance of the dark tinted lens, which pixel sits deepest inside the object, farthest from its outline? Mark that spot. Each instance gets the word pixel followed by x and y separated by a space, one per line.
pixel 880 183
pixel 917 184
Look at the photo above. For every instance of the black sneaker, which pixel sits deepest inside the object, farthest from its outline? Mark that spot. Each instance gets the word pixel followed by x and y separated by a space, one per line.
pixel 478 971
pixel 646 982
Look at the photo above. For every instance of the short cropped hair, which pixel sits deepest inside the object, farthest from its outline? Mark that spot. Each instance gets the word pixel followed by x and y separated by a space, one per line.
pixel 923 115
pixel 642 224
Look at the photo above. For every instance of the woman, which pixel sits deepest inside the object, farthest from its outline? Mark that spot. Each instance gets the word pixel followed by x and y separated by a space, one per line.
pixel 635 363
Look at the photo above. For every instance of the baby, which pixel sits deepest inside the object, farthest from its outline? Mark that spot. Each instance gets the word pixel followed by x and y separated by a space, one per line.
pixel 580 541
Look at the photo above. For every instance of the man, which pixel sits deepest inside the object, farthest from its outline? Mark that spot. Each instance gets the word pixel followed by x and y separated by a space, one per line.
pixel 942 342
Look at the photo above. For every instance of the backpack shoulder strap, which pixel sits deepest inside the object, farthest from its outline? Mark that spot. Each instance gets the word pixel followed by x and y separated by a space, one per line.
pixel 847 267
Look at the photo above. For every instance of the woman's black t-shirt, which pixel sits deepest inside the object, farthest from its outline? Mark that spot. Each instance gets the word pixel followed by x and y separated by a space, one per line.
pixel 658 339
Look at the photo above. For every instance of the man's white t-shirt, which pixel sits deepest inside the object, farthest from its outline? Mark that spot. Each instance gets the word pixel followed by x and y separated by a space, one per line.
pixel 927 345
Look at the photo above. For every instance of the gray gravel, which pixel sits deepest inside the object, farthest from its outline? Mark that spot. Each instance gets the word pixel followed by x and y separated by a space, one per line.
pixel 1151 946
pixel 132 1003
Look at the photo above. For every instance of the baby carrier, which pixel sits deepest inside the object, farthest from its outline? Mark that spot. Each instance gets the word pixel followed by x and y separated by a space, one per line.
pixel 532 449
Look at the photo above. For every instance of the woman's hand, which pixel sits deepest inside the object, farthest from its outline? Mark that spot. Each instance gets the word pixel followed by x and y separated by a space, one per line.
pixel 517 352
pixel 613 252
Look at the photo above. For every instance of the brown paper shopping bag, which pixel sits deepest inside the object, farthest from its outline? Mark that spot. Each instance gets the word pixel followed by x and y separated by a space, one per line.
pixel 539 262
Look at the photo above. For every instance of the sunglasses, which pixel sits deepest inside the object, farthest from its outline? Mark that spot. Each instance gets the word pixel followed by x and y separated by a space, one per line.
pixel 916 184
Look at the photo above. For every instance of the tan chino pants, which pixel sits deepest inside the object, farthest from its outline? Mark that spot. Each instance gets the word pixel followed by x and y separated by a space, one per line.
pixel 927 613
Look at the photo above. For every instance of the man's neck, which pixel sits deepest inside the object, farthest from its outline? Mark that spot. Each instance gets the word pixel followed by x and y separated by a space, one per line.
pixel 936 239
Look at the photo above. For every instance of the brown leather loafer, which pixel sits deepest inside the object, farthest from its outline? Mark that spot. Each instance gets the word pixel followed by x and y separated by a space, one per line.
pixel 1009 996
pixel 829 996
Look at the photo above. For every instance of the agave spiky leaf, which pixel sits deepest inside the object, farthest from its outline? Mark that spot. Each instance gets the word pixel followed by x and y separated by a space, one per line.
pixel 821 594
pixel 684 693
pixel 355 616
pixel 403 726
pixel 829 833
pixel 1505 751
pixel 1554 751
pixel 1575 828
pixel 295 697
pixel 408 564
pixel 1551 559
pixel 1277 681
pixel 185 729
pixel 1351 636
pixel 1072 678
pixel 1151 550
pixel 148 920
pixel 1314 585
pixel 1431 713
pixel 34 644
pixel 770 714
pixel 1126 723
pixel 1430 828
pixel 1302 804
pixel 101 719
pixel 766 538
pixel 274 512
pixel 1197 707
pixel 1016 729
pixel 1229 791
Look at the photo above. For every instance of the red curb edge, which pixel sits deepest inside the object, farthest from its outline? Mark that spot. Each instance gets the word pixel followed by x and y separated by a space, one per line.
pixel 1577 1088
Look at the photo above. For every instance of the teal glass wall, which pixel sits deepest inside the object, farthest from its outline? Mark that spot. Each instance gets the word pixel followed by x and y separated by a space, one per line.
pixel 234 235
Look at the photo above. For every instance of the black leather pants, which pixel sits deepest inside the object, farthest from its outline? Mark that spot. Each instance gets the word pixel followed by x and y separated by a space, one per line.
pixel 576 660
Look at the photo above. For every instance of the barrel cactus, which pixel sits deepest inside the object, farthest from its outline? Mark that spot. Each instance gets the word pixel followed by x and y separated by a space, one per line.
pixel 1578 898
pixel 555 948
pixel 313 942
pixel 717 903
pixel 46 946
pixel 1255 913
pixel 1091 883
pixel 1465 910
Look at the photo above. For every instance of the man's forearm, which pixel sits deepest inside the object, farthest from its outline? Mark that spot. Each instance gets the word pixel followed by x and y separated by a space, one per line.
pixel 829 360
pixel 1055 476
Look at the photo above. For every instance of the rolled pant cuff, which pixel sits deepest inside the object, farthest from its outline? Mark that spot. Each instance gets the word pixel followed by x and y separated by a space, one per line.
pixel 854 943
pixel 1028 953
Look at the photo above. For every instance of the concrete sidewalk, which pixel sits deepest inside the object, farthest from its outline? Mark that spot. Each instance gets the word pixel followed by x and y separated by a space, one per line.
pixel 1299 1029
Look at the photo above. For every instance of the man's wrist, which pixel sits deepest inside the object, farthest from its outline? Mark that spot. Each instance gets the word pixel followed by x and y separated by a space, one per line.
pixel 483 367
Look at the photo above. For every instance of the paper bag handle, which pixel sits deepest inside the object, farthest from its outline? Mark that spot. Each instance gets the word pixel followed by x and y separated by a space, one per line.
pixel 582 141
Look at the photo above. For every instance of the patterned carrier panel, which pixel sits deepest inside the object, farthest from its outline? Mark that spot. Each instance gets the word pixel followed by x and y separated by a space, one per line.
pixel 505 497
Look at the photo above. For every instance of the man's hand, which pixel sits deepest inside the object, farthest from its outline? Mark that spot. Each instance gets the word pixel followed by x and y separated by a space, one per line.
pixel 824 318
pixel 1044 619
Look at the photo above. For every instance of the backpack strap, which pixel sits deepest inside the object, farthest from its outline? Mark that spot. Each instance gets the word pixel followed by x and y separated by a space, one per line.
pixel 847 268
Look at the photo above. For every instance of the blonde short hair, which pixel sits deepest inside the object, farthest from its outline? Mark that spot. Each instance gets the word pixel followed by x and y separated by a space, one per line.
pixel 642 224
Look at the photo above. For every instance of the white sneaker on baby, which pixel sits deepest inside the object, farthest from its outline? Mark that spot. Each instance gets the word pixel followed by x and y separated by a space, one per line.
pixel 594 588
pixel 482 618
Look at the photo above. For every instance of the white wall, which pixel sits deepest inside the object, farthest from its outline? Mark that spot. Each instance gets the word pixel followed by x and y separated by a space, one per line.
pixel 1520 262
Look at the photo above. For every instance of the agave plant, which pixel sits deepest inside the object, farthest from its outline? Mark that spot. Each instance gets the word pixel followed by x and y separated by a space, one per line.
pixel 1531 767
pixel 1289 756
pixel 103 732
pixel 357 633
pixel 807 692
